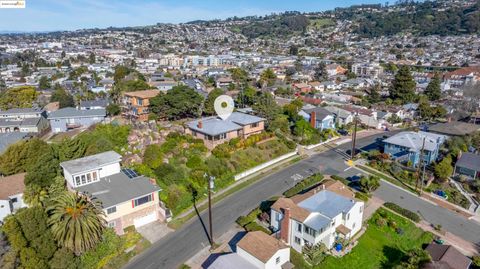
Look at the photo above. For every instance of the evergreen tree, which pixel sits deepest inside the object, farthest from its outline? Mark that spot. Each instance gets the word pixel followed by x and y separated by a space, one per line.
pixel 433 91
pixel 403 86
pixel 62 96
pixel 321 72
pixel 209 108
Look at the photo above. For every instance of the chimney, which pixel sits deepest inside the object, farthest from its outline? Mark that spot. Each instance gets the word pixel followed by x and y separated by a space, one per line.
pixel 200 124
pixel 285 226
pixel 313 119
pixel 323 186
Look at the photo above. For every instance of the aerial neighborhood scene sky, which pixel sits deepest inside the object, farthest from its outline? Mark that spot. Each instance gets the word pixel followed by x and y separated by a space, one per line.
pixel 51 15
pixel 240 134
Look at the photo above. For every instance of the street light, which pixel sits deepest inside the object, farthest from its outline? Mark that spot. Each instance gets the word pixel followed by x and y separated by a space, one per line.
pixel 354 135
pixel 211 185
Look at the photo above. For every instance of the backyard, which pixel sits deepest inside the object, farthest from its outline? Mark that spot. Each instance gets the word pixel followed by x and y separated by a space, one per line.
pixel 384 245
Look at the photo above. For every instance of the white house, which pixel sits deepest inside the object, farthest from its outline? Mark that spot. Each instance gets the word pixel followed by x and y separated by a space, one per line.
pixel 256 250
pixel 320 218
pixel 128 199
pixel 11 194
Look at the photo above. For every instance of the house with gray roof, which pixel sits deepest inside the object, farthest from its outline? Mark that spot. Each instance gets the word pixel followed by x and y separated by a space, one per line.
pixel 24 120
pixel 318 117
pixel 215 131
pixel 407 146
pixel 70 118
pixel 468 164
pixel 126 197
pixel 319 218
pixel 94 104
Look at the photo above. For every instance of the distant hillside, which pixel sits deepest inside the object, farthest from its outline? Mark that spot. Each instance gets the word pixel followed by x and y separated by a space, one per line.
pixel 426 18
pixel 278 26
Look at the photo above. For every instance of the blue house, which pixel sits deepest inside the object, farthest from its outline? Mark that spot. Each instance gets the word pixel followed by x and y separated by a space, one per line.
pixel 407 146
pixel 319 118
pixel 69 118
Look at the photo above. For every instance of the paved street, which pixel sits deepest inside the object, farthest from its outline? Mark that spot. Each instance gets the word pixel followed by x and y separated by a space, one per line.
pixel 174 249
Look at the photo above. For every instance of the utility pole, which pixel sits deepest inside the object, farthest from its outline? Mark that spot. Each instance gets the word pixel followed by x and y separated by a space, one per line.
pixel 419 170
pixel 354 135
pixel 211 183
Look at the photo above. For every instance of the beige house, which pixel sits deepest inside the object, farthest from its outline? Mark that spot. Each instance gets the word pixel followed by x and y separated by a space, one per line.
pixel 215 131
pixel 128 199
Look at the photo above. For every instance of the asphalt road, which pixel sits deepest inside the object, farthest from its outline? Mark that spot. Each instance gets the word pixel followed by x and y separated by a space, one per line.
pixel 177 247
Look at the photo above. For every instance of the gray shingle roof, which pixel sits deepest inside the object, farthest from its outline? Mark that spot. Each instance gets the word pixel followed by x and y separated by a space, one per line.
pixel 6 139
pixel 414 140
pixel 470 161
pixel 327 203
pixel 119 188
pixel 21 111
pixel 69 112
pixel 91 162
pixel 320 112
pixel 94 103
pixel 215 125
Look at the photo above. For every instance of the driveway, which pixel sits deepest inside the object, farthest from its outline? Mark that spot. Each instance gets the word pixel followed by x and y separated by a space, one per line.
pixel 154 231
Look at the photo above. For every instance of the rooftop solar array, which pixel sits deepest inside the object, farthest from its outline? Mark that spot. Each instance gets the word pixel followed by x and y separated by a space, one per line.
pixel 130 173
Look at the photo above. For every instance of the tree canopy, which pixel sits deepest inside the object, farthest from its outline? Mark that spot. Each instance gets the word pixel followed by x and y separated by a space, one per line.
pixel 433 91
pixel 18 97
pixel 179 102
pixel 403 86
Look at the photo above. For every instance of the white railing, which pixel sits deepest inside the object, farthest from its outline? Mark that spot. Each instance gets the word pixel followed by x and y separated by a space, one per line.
pixel 264 165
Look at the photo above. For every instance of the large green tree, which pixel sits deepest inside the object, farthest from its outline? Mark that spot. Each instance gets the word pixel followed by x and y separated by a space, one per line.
pixel 403 86
pixel 433 91
pixel 266 106
pixel 369 184
pixel 209 108
pixel 444 169
pixel 18 97
pixel 179 102
pixel 20 156
pixel 62 96
pixel 76 221
pixel 321 73
pixel 267 77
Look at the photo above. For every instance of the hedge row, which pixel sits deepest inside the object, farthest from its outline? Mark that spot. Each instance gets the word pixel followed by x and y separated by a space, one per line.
pixel 341 179
pixel 402 211
pixel 303 185
pixel 362 196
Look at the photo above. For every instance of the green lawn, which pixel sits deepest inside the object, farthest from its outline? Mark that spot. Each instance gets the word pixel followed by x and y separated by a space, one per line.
pixel 380 247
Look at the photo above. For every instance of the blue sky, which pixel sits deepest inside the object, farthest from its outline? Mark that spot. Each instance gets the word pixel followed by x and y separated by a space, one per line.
pixel 49 15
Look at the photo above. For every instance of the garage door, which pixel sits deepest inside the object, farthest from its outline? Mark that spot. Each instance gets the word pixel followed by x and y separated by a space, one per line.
pixel 138 222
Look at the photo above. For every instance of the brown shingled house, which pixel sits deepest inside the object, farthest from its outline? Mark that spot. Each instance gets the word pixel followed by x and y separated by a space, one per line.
pixel 448 257
pixel 136 104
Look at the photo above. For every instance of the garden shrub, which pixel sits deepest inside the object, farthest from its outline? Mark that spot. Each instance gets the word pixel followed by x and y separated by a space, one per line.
pixel 402 211
pixel 253 226
pixel 362 196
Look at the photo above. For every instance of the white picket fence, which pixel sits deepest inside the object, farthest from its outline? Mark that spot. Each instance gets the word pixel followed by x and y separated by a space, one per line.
pixel 264 165
pixel 321 143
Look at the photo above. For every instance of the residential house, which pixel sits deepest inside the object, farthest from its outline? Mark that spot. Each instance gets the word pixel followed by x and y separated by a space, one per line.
pixel 126 197
pixel 24 120
pixel 223 82
pixel 468 164
pixel 335 69
pixel 136 104
pixel 454 128
pixel 462 76
pixel 7 139
pixel 320 217
pixel 215 131
pixel 407 146
pixel 70 118
pixel 94 104
pixel 11 194
pixel 164 85
pixel 256 250
pixel 318 117
pixel 302 87
pixel 446 256
pixel 367 117
pixel 342 117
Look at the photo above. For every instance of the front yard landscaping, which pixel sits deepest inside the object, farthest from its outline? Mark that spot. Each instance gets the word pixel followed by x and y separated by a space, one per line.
pixel 385 244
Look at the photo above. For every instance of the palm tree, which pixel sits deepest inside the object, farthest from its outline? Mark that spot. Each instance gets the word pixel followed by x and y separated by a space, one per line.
pixel 77 222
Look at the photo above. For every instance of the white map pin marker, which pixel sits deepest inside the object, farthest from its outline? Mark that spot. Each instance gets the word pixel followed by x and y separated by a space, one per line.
pixel 224 106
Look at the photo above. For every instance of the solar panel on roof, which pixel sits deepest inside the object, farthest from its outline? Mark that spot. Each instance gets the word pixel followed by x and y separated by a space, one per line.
pixel 130 173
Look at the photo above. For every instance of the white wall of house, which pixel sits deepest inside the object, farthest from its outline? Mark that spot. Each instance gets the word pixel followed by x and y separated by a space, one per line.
pixel 276 261
pixel 109 170
pixel 354 221
pixel 250 258
pixel 4 209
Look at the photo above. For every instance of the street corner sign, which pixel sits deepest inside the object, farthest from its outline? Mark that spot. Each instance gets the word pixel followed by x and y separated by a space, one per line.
pixel 12 3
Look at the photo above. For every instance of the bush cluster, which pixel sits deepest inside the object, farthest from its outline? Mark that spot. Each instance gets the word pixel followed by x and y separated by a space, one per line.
pixel 402 211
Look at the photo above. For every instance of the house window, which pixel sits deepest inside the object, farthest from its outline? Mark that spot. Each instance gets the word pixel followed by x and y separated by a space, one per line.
pixel 254 125
pixel 14 200
pixel 348 216
pixel 94 175
pixel 111 210
pixel 333 223
pixel 299 227
pixel 111 224
pixel 277 260
pixel 297 240
pixel 89 178
pixel 353 226
pixel 84 179
pixel 310 231
pixel 77 180
pixel 277 216
pixel 143 200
